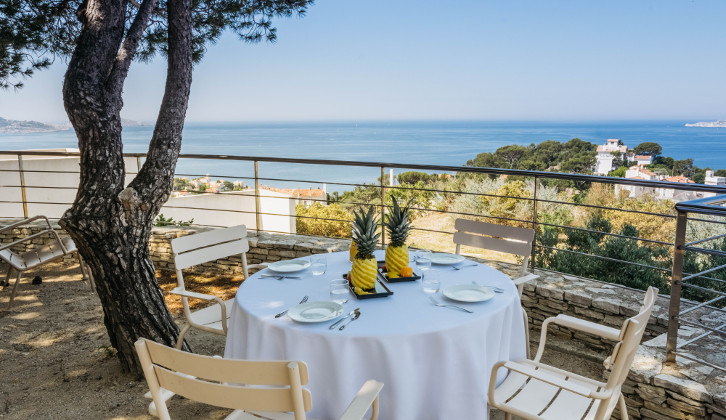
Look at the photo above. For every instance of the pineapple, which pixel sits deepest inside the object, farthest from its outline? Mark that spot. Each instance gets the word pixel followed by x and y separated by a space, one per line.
pixel 365 269
pixel 398 227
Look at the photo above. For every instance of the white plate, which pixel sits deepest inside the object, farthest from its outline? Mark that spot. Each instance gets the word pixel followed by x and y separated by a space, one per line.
pixel 289 266
pixel 315 311
pixel 468 293
pixel 446 259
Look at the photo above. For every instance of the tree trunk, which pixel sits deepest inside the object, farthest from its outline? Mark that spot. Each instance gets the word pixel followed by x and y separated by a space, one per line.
pixel 111 224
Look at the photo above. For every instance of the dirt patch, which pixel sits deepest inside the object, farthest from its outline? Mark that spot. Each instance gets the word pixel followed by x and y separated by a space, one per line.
pixel 57 362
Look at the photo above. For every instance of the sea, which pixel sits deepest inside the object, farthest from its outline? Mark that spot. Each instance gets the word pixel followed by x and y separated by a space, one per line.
pixel 450 143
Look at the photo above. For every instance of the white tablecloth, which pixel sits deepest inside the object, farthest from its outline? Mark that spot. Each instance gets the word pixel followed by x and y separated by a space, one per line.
pixel 435 362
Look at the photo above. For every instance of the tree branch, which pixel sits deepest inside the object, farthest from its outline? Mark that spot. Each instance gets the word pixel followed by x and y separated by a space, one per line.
pixel 154 181
pixel 126 54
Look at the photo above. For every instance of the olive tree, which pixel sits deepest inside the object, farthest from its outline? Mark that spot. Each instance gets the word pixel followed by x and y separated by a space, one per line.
pixel 111 223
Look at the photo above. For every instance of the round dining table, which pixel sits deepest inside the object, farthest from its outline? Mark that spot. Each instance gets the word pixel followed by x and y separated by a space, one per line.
pixel 435 361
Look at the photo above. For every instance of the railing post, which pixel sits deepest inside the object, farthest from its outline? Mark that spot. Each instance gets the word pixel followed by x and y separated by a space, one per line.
pixel 534 224
pixel 258 216
pixel 383 207
pixel 674 307
pixel 22 186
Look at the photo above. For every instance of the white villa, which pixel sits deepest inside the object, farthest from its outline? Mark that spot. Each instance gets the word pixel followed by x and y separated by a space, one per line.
pixel 714 180
pixel 605 156
pixel 607 152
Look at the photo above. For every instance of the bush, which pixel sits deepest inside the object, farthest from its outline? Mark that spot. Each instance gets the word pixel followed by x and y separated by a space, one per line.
pixel 316 219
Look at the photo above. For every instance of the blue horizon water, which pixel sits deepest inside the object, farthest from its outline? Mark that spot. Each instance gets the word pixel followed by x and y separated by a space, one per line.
pixel 450 143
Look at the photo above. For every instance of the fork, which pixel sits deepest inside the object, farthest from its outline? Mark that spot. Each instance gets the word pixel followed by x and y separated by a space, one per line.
pixel 303 300
pixel 494 289
pixel 435 302
pixel 463 266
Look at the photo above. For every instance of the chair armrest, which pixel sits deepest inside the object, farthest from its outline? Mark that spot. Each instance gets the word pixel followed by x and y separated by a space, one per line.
pixel 52 232
pixel 26 221
pixel 209 298
pixel 525 279
pixel 540 375
pixel 367 397
pixel 575 324
pixel 587 326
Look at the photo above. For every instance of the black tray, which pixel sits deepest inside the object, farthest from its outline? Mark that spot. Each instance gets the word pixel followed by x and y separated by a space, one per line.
pixel 380 290
pixel 395 279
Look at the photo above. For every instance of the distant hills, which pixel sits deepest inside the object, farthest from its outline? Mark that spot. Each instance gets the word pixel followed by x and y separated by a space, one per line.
pixel 22 127
pixel 27 127
pixel 719 123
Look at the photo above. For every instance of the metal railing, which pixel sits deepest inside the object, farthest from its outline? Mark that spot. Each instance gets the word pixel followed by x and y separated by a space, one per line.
pixel 713 207
pixel 536 202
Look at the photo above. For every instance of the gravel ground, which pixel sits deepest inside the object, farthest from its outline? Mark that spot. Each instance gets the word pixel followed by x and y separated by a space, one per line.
pixel 56 361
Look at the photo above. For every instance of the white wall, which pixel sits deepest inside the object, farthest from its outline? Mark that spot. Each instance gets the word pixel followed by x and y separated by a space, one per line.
pixel 50 183
pixel 62 173
pixel 234 208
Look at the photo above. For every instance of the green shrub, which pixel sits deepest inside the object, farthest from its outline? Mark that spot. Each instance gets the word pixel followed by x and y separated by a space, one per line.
pixel 319 220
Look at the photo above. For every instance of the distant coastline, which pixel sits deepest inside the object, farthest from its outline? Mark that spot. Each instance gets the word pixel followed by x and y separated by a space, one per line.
pixel 25 127
pixel 715 124
pixel 31 127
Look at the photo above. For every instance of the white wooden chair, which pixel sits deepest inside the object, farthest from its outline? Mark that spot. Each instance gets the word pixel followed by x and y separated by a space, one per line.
pixel 204 247
pixel 533 390
pixel 21 262
pixel 272 389
pixel 507 239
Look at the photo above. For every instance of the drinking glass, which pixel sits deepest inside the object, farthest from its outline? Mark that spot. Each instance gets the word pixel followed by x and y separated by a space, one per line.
pixel 423 260
pixel 338 290
pixel 318 265
pixel 431 282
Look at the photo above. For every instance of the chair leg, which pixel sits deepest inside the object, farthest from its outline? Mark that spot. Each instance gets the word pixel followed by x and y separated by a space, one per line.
pixel 623 408
pixel 86 273
pixel 526 332
pixel 507 416
pixel 182 333
pixel 15 289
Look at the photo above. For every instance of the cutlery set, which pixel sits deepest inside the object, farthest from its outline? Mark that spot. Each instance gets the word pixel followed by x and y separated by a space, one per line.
pixel 303 300
pixel 279 276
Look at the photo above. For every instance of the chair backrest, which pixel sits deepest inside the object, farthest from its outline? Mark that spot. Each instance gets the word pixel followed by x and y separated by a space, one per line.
pixel 209 246
pixel 274 386
pixel 507 239
pixel 630 335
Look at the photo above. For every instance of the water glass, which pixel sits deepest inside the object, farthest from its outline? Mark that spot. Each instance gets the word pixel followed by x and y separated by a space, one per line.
pixel 338 290
pixel 431 282
pixel 423 260
pixel 318 265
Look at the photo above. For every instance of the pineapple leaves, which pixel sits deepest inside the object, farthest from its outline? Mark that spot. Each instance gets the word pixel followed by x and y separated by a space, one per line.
pixel 398 223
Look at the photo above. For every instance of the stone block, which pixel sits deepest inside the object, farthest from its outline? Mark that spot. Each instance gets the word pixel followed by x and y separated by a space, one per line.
pixel 666 411
pixel 651 393
pixel 681 406
pixel 609 305
pixel 685 387
pixel 579 299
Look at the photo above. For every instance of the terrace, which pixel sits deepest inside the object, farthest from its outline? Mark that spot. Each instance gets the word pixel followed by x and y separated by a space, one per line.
pixel 678 372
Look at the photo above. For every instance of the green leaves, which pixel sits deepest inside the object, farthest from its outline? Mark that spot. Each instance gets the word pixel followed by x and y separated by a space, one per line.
pixel 397 223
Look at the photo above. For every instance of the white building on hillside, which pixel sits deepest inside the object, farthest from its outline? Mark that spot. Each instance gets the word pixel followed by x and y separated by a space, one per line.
pixel 641 160
pixel 714 180
pixel 605 156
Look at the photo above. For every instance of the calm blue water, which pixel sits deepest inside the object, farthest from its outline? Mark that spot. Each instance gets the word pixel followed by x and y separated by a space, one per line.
pixel 441 143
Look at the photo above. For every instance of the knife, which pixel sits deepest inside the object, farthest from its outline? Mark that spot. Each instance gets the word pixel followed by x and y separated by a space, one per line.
pixel 343 318
pixel 280 276
pixel 355 316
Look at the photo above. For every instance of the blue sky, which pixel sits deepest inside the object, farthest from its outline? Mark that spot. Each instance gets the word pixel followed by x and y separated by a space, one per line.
pixel 458 60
